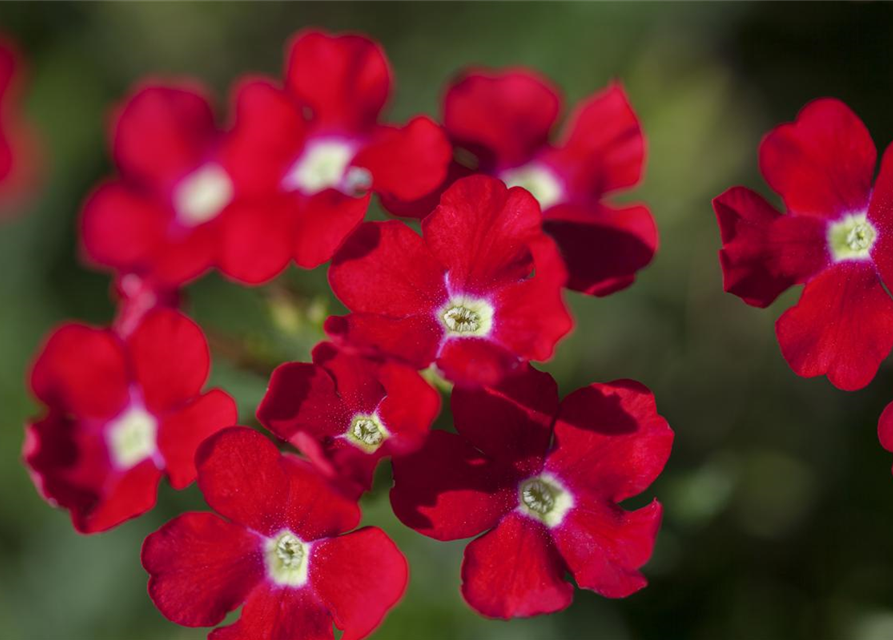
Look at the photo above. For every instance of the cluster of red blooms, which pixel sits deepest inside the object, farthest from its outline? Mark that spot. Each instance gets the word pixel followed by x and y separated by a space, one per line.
pixel 509 218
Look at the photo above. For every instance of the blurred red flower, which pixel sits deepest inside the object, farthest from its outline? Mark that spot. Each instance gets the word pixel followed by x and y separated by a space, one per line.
pixel 19 147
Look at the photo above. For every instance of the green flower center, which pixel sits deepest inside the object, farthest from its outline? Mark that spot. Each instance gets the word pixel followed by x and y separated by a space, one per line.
pixel 851 238
pixel 464 316
pixel 367 433
pixel 544 498
pixel 286 557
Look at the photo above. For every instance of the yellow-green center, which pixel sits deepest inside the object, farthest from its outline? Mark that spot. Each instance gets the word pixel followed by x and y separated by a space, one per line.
pixel 367 433
pixel 465 316
pixel 544 498
pixel 851 237
pixel 287 558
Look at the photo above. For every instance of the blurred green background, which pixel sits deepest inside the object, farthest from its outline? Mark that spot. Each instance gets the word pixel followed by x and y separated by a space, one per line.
pixel 779 500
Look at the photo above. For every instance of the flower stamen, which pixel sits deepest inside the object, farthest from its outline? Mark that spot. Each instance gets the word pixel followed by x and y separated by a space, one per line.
pixel 287 559
pixel 544 498
pixel 851 238
pixel 367 432
pixel 464 316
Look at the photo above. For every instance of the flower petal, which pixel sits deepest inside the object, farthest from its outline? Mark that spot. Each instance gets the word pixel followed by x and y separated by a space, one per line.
pixel 842 326
pixel 822 164
pixel 885 428
pixel 279 614
pixel 358 576
pixel 413 340
pixel 880 214
pixel 409 407
pixel 322 223
pixel 201 567
pixel 475 362
pixel 515 571
pixel 256 239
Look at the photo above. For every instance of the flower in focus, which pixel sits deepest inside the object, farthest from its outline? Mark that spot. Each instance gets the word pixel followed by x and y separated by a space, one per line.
pixel 281 551
pixel 18 143
pixel 478 294
pixel 346 412
pixel 121 412
pixel 544 508
pixel 835 238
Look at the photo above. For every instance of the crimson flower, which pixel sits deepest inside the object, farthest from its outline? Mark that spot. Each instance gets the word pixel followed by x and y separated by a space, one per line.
pixel 121 412
pixel 346 412
pixel 18 143
pixel 835 238
pixel 501 124
pixel 317 145
pixel 477 295
pixel 279 551
pixel 547 508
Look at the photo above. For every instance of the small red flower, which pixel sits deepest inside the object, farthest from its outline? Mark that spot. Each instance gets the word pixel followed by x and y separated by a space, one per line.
pixel 346 412
pixel 121 412
pixel 318 146
pixel 18 144
pixel 835 238
pixel 501 122
pixel 462 296
pixel 547 508
pixel 279 551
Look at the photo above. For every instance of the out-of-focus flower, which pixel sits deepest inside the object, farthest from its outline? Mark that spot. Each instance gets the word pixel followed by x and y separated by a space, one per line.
pixel 19 147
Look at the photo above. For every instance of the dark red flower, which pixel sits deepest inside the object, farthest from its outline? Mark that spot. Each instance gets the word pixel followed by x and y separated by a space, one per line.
pixel 317 144
pixel 346 412
pixel 461 296
pixel 547 508
pixel 836 238
pixel 19 149
pixel 279 551
pixel 501 124
pixel 121 413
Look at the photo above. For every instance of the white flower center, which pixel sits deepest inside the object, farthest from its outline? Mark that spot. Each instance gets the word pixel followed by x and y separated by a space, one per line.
pixel 539 180
pixel 287 557
pixel 467 317
pixel 851 237
pixel 203 194
pixel 131 437
pixel 367 433
pixel 325 164
pixel 544 498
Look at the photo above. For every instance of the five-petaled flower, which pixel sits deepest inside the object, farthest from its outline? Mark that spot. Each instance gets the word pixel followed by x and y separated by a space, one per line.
pixel 121 412
pixel 346 412
pixel 836 238
pixel 500 124
pixel 547 508
pixel 478 294
pixel 279 551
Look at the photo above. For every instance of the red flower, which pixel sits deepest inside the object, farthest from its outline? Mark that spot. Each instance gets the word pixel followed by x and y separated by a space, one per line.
pixel 135 297
pixel 318 146
pixel 347 412
pixel 278 552
pixel 501 124
pixel 834 238
pixel 121 412
pixel 462 296
pixel 546 510
pixel 18 144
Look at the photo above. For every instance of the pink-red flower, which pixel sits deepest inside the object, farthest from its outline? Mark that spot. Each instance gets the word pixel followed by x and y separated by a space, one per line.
pixel 18 143
pixel 346 412
pixel 278 551
pixel 478 294
pixel 835 237
pixel 545 508
pixel 501 124
pixel 120 414
pixel 318 145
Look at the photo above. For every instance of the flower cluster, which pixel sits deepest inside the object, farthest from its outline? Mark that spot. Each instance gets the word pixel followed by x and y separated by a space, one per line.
pixel 508 220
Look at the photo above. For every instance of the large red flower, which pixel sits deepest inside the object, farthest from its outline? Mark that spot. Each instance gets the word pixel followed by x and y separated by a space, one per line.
pixel 501 123
pixel 836 238
pixel 278 552
pixel 478 294
pixel 121 413
pixel 346 412
pixel 318 146
pixel 18 143
pixel 547 508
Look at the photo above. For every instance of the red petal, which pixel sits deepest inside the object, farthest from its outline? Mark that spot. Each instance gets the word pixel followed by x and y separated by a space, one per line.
pixel 201 567
pixel 423 206
pixel 163 132
pixel 763 251
pixel 324 220
pixel 256 239
pixel 822 164
pixel 842 326
pixel 83 371
pixel 414 339
pixel 505 116
pixel 279 614
pixel 602 247
pixel 409 162
pixel 885 428
pixel 447 490
pixel 243 477
pixel 356 378
pixel 610 441
pixel 481 233
pixel 409 407
pixel 345 80
pixel 880 213
pixel 510 422
pixel 475 362
pixel 184 259
pixel 515 571
pixel 359 577
pixel 181 433
pixel 604 546
pixel 170 358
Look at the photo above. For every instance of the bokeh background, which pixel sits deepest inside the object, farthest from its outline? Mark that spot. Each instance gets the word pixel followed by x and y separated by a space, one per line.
pixel 778 497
